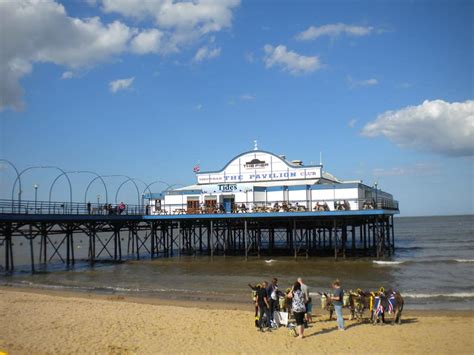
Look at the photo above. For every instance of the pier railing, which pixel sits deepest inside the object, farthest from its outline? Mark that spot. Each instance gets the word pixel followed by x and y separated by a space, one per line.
pixel 67 208
pixel 281 206
pixel 78 208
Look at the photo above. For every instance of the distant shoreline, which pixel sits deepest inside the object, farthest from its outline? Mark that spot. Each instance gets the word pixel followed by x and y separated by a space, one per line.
pixel 398 216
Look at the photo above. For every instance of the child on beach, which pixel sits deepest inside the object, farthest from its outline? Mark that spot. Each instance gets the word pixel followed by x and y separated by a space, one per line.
pixel 309 310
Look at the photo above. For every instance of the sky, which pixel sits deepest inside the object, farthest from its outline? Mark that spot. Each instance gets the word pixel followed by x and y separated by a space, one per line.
pixel 149 89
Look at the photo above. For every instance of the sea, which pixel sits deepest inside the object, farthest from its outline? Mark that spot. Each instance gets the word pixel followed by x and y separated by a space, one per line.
pixel 433 268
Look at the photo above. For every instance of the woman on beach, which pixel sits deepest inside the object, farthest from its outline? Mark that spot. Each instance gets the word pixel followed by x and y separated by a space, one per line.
pixel 298 307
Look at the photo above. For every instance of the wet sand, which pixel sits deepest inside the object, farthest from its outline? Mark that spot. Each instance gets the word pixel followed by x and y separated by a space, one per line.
pixel 39 321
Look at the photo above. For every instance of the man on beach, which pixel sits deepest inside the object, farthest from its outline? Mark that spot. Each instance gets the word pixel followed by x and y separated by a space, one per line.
pixel 263 305
pixel 272 294
pixel 337 302
pixel 305 290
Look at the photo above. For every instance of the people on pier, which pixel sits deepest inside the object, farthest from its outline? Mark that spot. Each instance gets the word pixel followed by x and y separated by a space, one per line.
pixel 121 208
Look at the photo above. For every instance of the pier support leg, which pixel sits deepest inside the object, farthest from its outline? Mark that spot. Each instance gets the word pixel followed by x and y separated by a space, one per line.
pixel 8 248
pixel 245 240
pixel 212 239
pixel 31 238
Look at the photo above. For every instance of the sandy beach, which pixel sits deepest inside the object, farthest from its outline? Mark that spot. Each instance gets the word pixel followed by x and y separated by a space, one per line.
pixel 39 322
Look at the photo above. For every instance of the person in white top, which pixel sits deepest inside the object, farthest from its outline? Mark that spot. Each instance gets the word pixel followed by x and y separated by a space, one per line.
pixel 305 290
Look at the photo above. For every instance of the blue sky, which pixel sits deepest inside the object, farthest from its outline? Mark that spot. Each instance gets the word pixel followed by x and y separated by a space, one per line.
pixel 383 89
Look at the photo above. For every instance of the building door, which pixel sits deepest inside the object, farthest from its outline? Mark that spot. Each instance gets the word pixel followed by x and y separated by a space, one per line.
pixel 228 204
pixel 210 205
pixel 193 206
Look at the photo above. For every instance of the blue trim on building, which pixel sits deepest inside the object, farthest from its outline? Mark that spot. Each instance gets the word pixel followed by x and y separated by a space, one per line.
pixel 154 196
pixel 184 192
pixel 258 151
pixel 281 188
pixel 274 188
pixel 276 215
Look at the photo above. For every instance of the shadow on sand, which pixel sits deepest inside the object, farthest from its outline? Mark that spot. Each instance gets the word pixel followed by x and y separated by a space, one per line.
pixel 355 324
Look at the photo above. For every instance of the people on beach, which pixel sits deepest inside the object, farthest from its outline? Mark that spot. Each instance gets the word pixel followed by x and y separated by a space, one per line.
pixel 298 307
pixel 254 299
pixel 263 306
pixel 309 311
pixel 273 294
pixel 305 290
pixel 337 302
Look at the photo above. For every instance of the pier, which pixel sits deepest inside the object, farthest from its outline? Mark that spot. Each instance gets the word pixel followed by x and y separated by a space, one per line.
pixel 258 205
pixel 53 233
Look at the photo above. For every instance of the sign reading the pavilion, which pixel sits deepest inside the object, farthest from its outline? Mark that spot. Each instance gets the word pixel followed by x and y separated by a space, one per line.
pixel 258 166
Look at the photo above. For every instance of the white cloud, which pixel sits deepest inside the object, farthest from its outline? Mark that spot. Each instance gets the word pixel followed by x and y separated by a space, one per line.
pixel 289 60
pixel 121 84
pixel 148 41
pixel 333 30
pixel 436 126
pixel 186 20
pixel 42 32
pixel 352 123
pixel 418 169
pixel 68 75
pixel 247 97
pixel 206 53
pixel 361 83
pixel 198 107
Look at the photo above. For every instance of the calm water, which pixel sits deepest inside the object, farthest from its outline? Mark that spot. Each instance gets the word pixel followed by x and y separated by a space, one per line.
pixel 433 268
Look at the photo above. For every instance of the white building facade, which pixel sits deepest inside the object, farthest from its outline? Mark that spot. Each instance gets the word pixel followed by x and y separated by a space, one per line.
pixel 260 181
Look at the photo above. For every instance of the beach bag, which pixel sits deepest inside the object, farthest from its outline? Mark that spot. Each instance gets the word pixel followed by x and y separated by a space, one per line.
pixel 281 318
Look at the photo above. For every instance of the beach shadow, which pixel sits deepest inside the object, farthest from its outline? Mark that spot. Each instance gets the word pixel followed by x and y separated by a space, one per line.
pixel 321 332
pixel 409 320
pixel 335 328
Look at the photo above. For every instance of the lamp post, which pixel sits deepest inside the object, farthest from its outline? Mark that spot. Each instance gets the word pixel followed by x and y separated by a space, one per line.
pixel 98 201
pixel 36 196
pixel 19 200
pixel 376 195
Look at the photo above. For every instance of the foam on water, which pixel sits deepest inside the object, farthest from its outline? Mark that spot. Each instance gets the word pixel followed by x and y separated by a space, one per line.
pixel 438 295
pixel 381 262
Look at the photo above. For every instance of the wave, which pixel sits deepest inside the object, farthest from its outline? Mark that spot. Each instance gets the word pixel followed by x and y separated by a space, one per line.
pixel 438 295
pixel 381 262
pixel 422 261
pixel 108 288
